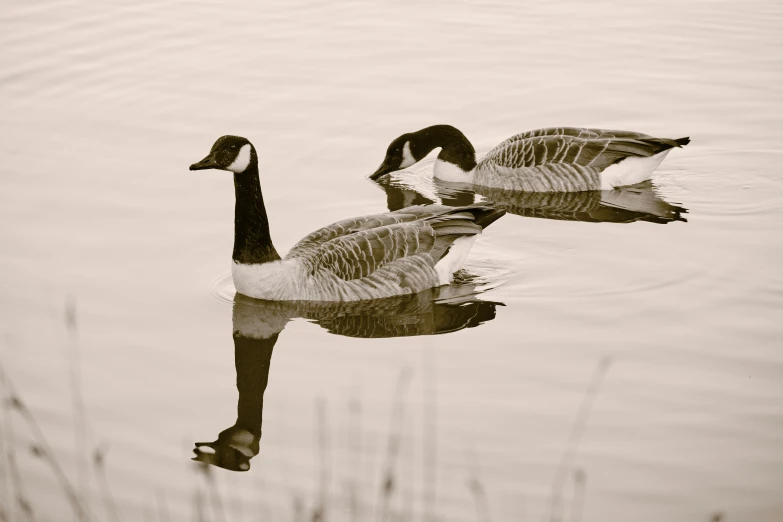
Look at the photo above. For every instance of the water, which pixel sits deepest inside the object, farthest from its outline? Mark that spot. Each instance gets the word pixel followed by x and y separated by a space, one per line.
pixel 592 370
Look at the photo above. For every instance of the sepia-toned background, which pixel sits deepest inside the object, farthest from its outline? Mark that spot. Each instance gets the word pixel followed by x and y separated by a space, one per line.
pixel 633 372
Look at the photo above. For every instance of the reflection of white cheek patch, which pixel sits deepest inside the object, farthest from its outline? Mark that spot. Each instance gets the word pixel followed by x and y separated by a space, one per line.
pixel 242 160
pixel 407 156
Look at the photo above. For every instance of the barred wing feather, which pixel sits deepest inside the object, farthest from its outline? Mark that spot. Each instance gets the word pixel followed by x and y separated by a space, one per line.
pixel 574 132
pixel 309 244
pixel 588 149
pixel 362 253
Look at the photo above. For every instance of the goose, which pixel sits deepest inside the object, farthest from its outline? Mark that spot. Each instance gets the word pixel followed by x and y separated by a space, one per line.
pixel 560 159
pixel 366 257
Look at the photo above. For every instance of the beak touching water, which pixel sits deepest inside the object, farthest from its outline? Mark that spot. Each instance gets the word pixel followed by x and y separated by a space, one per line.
pixel 385 168
pixel 206 163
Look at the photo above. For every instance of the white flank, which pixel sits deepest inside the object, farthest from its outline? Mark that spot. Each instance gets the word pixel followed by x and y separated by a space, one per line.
pixel 446 171
pixel 407 156
pixel 630 171
pixel 242 160
pixel 454 259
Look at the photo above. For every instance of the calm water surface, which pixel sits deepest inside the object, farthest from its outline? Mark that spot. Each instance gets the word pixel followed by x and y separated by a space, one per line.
pixel 597 364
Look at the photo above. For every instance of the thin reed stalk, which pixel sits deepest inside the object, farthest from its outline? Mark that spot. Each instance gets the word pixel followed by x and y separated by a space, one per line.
pixel 77 398
pixel 99 460
pixel 578 502
pixel 393 445
pixel 44 451
pixel 575 437
pixel 324 472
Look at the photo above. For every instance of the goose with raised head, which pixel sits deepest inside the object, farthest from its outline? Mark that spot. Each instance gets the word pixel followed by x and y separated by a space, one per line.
pixel 366 257
pixel 560 159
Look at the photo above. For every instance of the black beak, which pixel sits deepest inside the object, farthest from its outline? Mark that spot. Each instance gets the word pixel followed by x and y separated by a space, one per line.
pixel 385 168
pixel 206 163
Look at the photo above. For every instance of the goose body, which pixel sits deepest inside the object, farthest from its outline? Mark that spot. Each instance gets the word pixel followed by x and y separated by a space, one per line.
pixel 367 257
pixel 560 159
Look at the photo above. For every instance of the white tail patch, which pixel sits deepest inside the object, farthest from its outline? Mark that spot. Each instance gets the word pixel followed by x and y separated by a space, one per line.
pixel 454 258
pixel 242 160
pixel 446 171
pixel 631 171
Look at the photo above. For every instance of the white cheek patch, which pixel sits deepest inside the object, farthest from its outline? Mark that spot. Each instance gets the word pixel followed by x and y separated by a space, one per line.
pixel 242 160
pixel 407 156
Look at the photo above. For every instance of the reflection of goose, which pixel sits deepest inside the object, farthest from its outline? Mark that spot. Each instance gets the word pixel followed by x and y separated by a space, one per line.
pixel 257 324
pixel 542 160
pixel 621 205
pixel 236 445
pixel 367 257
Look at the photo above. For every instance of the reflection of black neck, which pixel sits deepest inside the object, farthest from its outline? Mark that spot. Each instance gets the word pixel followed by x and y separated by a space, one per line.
pixel 237 444
pixel 455 147
pixel 252 358
pixel 252 242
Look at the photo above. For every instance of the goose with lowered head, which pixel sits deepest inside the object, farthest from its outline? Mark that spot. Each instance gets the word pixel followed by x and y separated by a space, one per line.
pixel 562 159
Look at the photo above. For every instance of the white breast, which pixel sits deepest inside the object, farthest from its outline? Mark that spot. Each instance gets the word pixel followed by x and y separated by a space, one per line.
pixel 274 281
pixel 446 171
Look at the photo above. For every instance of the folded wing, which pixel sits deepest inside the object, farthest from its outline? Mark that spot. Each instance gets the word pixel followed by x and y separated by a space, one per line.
pixel 357 248
pixel 596 148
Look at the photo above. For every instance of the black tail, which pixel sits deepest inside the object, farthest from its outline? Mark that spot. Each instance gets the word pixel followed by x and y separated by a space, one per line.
pixel 681 142
pixel 484 214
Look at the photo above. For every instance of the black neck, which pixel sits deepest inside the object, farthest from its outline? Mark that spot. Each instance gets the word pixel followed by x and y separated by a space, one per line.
pixel 252 358
pixel 455 147
pixel 252 242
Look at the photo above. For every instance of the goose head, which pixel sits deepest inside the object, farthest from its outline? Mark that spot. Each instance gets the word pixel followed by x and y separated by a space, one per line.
pixel 233 153
pixel 412 147
pixel 399 155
